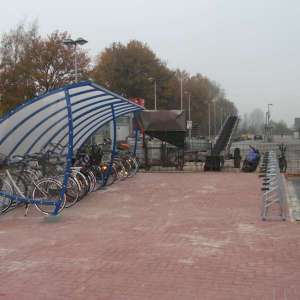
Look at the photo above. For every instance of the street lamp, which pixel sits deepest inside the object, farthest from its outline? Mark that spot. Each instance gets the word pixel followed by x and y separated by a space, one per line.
pixel 155 97
pixel 71 42
pixel 209 122
pixel 268 126
pixel 214 100
pixel 181 92
pixel 190 124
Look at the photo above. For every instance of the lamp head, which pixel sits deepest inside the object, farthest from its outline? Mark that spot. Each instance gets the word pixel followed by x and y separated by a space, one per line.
pixel 68 42
pixel 81 41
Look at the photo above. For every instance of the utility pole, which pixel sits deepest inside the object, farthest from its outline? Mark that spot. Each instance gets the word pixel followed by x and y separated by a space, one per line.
pixel 190 129
pixel 209 122
pixel 70 42
pixel 155 100
pixel 215 120
pixel 181 93
pixel 268 129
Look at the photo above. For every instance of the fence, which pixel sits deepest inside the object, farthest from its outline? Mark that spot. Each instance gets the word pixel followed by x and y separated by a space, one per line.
pixel 292 152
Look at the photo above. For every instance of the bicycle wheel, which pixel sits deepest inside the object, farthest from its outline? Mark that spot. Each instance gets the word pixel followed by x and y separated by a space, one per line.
pixel 72 192
pixel 83 183
pixel 112 177
pixel 128 167
pixel 5 202
pixel 47 190
pixel 121 172
pixel 93 180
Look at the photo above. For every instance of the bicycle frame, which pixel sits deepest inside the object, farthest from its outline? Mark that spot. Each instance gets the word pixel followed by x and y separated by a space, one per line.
pixel 21 198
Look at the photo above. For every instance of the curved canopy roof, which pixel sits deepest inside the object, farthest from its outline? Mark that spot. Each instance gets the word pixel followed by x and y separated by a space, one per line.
pixel 68 116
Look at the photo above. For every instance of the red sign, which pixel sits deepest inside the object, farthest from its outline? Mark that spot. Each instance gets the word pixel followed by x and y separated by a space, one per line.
pixel 138 101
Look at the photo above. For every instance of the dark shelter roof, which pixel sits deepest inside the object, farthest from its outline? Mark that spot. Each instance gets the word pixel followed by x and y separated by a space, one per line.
pixel 166 125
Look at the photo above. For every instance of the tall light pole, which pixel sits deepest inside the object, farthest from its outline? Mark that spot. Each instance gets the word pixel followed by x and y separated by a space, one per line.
pixel 155 97
pixel 215 118
pixel 71 42
pixel 190 124
pixel 155 91
pixel 209 121
pixel 222 114
pixel 181 92
pixel 268 126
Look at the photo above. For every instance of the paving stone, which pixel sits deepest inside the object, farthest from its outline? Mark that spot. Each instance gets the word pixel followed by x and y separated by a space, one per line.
pixel 155 236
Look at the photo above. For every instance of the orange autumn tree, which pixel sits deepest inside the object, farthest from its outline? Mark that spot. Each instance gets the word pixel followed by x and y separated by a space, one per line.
pixel 31 65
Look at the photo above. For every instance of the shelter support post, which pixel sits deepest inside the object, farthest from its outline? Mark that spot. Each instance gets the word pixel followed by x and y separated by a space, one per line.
pixel 136 134
pixel 114 142
pixel 69 152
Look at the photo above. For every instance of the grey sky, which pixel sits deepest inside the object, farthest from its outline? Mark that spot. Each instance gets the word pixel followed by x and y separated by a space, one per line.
pixel 250 47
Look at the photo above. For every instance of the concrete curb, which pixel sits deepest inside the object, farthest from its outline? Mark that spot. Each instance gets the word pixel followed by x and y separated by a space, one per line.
pixel 292 201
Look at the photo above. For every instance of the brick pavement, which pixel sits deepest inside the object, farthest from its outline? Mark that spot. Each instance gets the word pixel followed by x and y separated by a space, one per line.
pixel 155 236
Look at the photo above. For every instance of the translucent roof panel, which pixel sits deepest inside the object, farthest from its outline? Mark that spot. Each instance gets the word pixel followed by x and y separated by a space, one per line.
pixel 74 111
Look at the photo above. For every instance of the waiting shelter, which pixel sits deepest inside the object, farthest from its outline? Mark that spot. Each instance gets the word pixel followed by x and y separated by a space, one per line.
pixel 60 121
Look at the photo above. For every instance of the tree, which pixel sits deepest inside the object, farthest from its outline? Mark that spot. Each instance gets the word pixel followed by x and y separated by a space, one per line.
pixel 31 65
pixel 132 70
pixel 280 128
pixel 256 121
pixel 253 122
pixel 14 75
pixel 53 63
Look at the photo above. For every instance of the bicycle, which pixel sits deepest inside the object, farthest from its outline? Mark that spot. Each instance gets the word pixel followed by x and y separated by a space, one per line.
pixel 47 194
pixel 282 159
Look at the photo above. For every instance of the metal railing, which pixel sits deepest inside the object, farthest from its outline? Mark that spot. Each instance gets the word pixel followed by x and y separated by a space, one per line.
pixel 292 153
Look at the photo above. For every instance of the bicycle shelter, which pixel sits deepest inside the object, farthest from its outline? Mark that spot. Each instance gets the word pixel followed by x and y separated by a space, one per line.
pixel 67 116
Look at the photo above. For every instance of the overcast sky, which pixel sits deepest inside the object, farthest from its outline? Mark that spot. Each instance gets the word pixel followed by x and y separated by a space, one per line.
pixel 250 47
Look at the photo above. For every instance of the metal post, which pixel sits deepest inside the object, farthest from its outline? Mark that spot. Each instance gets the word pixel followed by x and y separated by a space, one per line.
pixel 114 142
pixel 155 103
pixel 209 131
pixel 190 129
pixel 189 107
pixel 215 122
pixel 69 153
pixel 222 117
pixel 76 71
pixel 181 93
pixel 69 42
pixel 136 131
pixel 268 126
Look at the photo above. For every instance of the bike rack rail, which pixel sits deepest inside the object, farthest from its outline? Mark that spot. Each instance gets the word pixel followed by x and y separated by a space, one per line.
pixel 67 116
pixel 273 189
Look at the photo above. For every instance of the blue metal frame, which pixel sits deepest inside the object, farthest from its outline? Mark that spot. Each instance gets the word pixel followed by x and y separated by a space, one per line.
pixel 97 127
pixel 78 129
pixel 70 152
pixel 114 142
pixel 75 119
pixel 136 134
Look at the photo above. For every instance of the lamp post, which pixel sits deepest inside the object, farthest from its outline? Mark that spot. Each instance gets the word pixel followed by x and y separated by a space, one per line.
pixel 181 93
pixel 190 124
pixel 207 102
pixel 71 42
pixel 155 97
pixel 214 100
pixel 268 126
pixel 215 117
pixel 222 114
pixel 155 91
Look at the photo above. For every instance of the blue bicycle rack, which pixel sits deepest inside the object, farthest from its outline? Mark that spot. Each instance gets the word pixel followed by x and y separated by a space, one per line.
pixel 68 116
